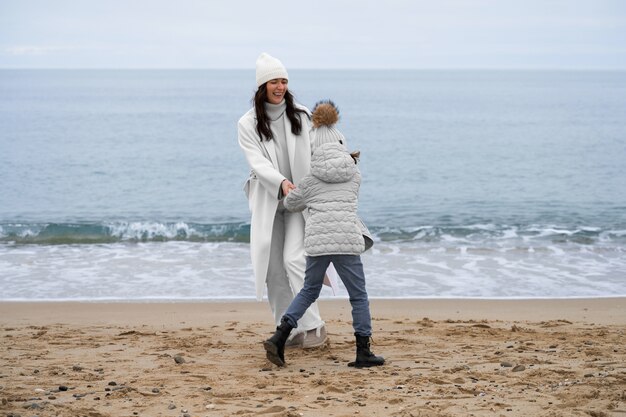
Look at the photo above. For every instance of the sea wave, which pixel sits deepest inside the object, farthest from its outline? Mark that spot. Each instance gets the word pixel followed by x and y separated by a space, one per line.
pixel 481 235
pixel 124 231
pixel 499 234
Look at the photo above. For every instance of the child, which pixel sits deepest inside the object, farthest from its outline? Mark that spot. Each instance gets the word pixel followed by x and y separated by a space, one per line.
pixel 332 234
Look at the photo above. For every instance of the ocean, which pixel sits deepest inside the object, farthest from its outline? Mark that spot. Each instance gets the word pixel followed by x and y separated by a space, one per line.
pixel 127 184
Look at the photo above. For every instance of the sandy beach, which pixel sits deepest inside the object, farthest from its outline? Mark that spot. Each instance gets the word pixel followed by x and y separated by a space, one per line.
pixel 444 358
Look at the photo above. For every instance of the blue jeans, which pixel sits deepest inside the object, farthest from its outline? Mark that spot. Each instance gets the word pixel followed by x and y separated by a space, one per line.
pixel 350 270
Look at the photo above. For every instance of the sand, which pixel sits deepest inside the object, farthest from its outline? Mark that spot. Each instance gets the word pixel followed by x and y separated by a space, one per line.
pixel 444 358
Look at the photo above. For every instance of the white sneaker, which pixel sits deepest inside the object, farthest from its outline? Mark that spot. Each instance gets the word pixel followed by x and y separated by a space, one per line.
pixel 295 342
pixel 315 338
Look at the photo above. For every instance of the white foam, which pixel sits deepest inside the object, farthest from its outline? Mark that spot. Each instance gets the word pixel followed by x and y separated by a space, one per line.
pixel 182 270
pixel 149 230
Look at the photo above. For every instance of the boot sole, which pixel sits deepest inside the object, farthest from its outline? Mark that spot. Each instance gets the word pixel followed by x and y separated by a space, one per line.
pixel 364 364
pixel 272 353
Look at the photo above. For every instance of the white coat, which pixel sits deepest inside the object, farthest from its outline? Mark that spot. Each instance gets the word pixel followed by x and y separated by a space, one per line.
pixel 263 184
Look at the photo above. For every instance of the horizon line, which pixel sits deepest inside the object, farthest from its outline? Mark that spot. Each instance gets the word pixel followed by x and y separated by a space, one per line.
pixel 316 69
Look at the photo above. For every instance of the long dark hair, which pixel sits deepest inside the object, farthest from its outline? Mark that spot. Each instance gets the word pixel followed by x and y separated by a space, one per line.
pixel 263 121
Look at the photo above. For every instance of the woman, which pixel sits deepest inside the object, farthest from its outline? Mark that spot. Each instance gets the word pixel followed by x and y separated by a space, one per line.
pixel 274 136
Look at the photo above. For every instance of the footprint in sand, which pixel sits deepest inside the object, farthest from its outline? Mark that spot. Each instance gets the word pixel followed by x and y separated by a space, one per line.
pixel 273 409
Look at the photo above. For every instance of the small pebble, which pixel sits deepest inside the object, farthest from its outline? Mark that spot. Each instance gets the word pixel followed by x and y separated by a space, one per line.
pixel 506 365
pixel 171 407
pixel 77 368
pixel 63 388
pixel 519 368
pixel 156 390
pixel 112 383
pixel 179 359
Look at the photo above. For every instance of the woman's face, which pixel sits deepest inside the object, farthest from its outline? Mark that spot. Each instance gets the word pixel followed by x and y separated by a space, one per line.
pixel 276 90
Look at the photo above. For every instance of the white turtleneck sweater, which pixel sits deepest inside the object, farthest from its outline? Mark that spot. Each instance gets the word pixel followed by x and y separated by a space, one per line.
pixel 276 113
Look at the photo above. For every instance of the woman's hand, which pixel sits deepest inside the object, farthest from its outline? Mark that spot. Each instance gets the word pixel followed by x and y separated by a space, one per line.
pixel 286 186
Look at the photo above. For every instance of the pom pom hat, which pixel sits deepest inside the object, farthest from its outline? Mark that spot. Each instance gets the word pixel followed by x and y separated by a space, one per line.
pixel 269 68
pixel 325 116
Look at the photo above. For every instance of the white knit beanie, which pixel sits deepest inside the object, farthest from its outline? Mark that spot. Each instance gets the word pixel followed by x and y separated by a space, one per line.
pixel 269 68
pixel 326 134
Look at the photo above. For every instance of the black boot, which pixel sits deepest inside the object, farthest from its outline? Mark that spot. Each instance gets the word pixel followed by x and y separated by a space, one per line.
pixel 275 345
pixel 364 356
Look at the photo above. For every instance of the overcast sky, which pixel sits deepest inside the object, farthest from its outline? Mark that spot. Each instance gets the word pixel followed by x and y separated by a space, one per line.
pixel 455 34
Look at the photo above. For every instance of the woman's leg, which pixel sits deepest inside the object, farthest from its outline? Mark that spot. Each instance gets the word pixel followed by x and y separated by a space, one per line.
pixel 295 264
pixel 279 292
pixel 350 270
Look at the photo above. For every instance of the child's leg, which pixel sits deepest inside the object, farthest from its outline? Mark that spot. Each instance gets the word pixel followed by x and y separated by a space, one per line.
pixel 350 270
pixel 313 281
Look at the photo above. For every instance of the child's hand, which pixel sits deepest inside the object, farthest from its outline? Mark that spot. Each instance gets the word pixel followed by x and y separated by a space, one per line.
pixel 287 186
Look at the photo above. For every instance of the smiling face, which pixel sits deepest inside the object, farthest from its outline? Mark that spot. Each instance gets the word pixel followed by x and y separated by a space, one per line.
pixel 276 90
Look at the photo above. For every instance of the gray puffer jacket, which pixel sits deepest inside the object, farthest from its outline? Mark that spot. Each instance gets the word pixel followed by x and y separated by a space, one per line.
pixel 330 192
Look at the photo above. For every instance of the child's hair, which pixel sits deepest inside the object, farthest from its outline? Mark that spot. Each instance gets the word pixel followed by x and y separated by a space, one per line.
pixel 355 155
